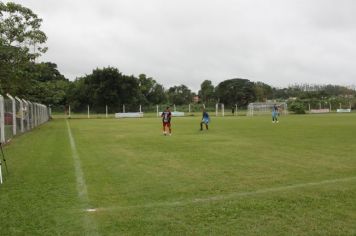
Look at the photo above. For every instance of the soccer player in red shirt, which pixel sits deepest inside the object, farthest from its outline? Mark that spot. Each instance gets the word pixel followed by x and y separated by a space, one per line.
pixel 166 119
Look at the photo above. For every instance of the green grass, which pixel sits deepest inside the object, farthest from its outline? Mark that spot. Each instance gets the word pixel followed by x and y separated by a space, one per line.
pixel 245 176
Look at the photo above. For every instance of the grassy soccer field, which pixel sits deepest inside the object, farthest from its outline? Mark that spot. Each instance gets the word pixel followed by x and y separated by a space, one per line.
pixel 245 176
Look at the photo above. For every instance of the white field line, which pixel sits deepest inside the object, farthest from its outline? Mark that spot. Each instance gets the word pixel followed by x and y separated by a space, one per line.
pixel 90 225
pixel 229 196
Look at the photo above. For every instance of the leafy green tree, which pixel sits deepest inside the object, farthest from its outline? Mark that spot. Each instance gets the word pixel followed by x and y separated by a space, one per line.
pixel 52 93
pixel 179 95
pixel 235 91
pixel 103 87
pixel 157 95
pixel 280 93
pixel 48 85
pixel 309 92
pixel 46 71
pixel 262 91
pixel 206 92
pixel 151 91
pixel 297 107
pixel 19 34
pixel 77 96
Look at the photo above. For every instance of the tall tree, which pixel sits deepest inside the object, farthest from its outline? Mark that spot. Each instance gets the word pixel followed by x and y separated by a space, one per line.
pixel 103 87
pixel 179 95
pixel 48 85
pixel 47 71
pixel 151 91
pixel 235 91
pixel 157 95
pixel 206 92
pixel 21 41
pixel 262 91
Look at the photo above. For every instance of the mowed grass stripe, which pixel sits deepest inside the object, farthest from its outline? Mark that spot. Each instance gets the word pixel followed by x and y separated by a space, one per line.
pixel 90 225
pixel 230 196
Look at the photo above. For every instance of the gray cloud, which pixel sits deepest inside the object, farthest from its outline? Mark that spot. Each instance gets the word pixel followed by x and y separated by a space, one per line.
pixel 279 42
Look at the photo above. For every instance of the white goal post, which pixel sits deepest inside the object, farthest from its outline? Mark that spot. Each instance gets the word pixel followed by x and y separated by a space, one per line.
pixel 265 108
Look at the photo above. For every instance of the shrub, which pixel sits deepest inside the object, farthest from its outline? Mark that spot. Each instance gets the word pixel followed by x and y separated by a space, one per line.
pixel 297 107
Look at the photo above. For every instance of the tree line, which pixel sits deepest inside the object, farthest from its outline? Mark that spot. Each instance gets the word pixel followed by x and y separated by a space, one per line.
pixel 22 42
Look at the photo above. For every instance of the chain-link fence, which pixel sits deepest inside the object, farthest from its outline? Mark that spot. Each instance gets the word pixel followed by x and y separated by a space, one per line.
pixel 18 116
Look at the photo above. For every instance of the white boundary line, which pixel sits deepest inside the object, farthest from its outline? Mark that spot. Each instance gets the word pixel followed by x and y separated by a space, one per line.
pixel 90 225
pixel 229 196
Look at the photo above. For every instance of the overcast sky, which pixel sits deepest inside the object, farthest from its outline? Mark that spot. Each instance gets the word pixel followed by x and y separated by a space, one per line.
pixel 279 42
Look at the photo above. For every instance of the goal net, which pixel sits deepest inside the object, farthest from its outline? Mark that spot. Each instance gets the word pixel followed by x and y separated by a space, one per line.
pixel 265 108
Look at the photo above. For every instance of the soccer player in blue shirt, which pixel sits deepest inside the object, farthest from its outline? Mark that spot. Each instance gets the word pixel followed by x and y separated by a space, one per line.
pixel 275 114
pixel 205 120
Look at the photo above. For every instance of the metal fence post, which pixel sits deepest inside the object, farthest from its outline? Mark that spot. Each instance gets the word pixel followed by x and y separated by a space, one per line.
pixel 35 117
pixel 13 113
pixel 26 114
pixel 21 114
pixel 41 114
pixel 2 119
pixel 32 116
